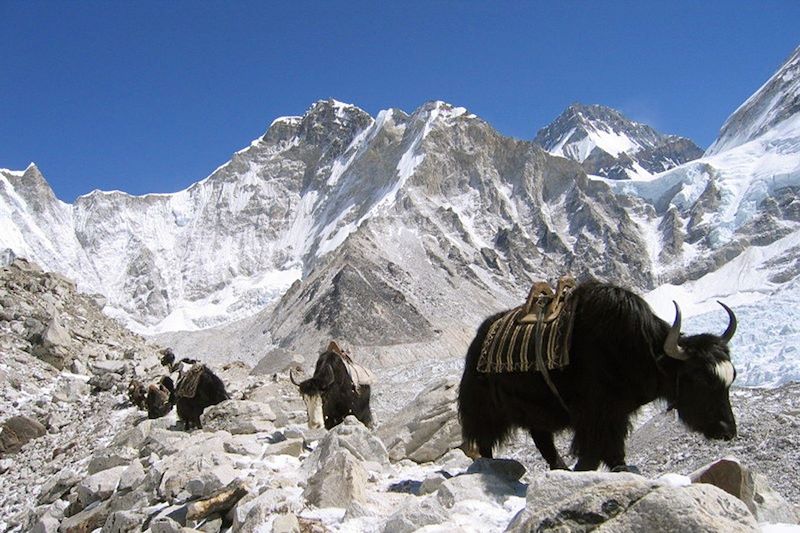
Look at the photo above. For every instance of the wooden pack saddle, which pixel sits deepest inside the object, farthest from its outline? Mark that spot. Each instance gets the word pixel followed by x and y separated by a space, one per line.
pixel 535 336
pixel 543 303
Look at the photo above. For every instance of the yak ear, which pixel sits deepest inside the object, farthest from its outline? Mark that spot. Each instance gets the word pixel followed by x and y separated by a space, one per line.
pixel 333 347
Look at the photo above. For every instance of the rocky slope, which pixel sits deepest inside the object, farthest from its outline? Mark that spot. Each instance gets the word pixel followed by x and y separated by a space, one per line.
pixel 102 465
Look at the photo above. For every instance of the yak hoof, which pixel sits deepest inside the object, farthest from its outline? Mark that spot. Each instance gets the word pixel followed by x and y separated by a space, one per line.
pixel 633 469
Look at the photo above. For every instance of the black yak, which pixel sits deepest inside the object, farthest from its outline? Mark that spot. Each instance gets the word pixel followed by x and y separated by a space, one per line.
pixel 137 394
pixel 160 398
pixel 197 389
pixel 621 357
pixel 338 388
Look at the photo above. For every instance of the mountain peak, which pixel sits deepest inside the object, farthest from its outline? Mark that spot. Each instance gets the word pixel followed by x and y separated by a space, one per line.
pixel 611 145
pixel 775 102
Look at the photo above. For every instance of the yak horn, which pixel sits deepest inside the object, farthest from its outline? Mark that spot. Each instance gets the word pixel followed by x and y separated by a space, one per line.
pixel 671 347
pixel 731 323
pixel 291 377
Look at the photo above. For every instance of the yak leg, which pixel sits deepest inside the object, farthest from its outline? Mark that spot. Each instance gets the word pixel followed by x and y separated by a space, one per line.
pixel 544 442
pixel 600 437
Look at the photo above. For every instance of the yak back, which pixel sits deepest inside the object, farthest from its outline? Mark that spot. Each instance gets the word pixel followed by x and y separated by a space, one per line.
pixel 197 376
pixel 336 358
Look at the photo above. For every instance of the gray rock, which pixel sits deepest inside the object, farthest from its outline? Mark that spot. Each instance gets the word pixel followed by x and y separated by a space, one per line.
pixel 238 417
pixel 110 367
pixel 427 428
pixel 244 445
pixel 481 487
pixel 293 447
pixel 277 360
pixel 770 505
pixel 124 522
pixel 340 480
pixel 285 523
pixel 432 483
pixel 18 431
pixel 89 519
pixel 416 514
pixel 132 476
pixel 730 475
pixel 252 511
pixel 70 389
pixel 208 469
pixel 99 486
pixel 597 501
pixel 165 525
pixel 508 469
pixel 46 524
pixel 351 436
pixel 58 485
pixel 109 458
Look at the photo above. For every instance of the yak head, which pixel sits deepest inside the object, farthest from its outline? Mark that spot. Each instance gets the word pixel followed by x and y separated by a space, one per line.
pixel 160 398
pixel 703 379
pixel 312 391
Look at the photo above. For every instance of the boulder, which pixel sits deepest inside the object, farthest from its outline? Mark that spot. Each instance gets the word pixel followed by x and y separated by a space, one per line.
pixel 70 389
pixel 351 436
pixel 99 486
pixel 415 515
pixel 133 475
pixel 238 417
pixel 206 470
pixel 53 344
pixel 427 428
pixel 507 469
pixel 252 511
pixel 481 487
pixel 736 479
pixel 340 480
pixel 57 485
pixel 293 447
pixel 601 501
pixel 124 522
pixel 18 431
pixel 100 368
pixel 286 523
pixel 106 458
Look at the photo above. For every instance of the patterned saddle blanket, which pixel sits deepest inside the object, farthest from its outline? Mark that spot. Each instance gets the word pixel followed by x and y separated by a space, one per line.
pixel 517 342
pixel 187 384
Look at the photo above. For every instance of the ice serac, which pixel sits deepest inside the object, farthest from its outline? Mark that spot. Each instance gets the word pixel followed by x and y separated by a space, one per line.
pixel 776 101
pixel 608 144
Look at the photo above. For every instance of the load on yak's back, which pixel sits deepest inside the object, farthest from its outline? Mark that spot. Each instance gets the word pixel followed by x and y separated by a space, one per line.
pixel 197 388
pixel 338 388
pixel 586 357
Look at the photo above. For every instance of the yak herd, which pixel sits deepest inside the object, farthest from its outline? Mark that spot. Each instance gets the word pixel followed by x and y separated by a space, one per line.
pixel 585 357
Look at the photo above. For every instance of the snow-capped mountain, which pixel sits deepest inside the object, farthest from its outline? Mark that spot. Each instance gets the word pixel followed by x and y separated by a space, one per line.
pixel 402 232
pixel 493 210
pixel 609 145
pixel 776 101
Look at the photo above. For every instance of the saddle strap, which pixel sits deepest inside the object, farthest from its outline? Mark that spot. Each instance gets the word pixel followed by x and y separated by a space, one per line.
pixel 540 362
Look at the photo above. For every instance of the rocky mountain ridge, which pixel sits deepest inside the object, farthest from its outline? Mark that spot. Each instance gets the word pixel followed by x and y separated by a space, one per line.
pixel 609 145
pixel 400 233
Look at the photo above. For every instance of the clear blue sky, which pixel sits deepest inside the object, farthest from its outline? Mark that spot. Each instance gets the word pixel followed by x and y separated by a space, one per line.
pixel 153 96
